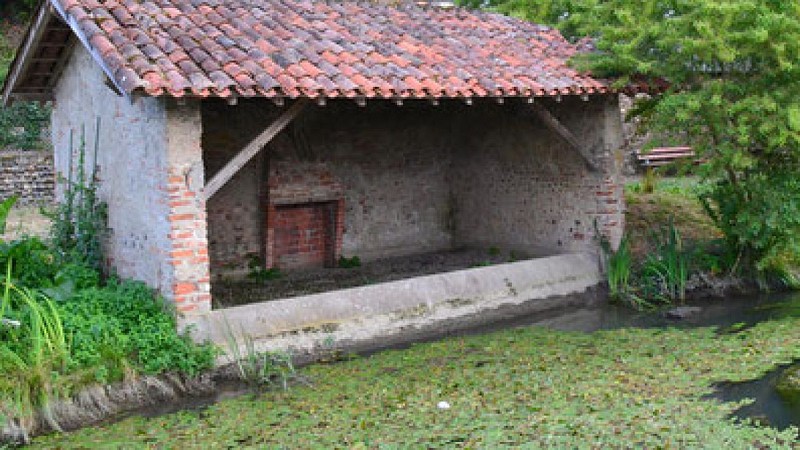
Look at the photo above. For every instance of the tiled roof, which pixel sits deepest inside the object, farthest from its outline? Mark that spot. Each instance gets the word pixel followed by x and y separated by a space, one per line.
pixel 301 48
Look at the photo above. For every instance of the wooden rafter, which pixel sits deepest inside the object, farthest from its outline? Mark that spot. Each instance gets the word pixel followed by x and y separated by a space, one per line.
pixel 556 126
pixel 250 150
pixel 23 59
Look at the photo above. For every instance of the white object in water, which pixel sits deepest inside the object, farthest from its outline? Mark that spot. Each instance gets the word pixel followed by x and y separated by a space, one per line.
pixel 10 323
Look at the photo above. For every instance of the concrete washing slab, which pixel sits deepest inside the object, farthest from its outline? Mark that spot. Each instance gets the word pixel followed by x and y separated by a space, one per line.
pixel 393 312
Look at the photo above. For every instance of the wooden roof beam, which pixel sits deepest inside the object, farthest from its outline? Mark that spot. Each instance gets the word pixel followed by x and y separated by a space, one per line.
pixel 250 150
pixel 23 58
pixel 557 127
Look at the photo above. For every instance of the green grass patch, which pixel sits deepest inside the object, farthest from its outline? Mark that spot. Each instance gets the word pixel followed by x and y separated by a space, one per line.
pixel 672 199
pixel 530 388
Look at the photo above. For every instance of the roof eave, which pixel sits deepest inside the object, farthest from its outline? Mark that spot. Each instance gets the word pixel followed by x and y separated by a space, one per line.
pixel 45 12
pixel 30 42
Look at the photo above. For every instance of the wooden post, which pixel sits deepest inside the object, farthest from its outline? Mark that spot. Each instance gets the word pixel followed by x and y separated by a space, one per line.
pixel 255 146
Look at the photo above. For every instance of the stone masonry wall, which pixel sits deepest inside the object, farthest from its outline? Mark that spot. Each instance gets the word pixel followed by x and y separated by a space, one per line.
pixel 520 188
pixel 28 175
pixel 150 170
pixel 420 178
pixel 387 164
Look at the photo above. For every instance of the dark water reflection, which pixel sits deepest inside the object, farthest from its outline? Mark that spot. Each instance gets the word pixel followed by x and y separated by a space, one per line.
pixel 769 408
pixel 726 313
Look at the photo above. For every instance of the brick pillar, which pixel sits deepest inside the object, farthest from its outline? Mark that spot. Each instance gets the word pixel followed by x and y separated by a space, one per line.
pixel 610 191
pixel 188 282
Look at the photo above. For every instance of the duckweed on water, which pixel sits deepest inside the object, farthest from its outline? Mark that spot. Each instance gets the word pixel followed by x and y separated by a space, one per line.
pixel 531 387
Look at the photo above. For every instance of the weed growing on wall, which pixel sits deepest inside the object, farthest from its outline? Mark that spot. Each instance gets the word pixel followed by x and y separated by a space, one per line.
pixel 259 368
pixel 349 263
pixel 258 273
pixel 80 219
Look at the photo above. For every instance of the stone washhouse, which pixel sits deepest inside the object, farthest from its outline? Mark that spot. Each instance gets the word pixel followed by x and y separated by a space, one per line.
pixel 301 132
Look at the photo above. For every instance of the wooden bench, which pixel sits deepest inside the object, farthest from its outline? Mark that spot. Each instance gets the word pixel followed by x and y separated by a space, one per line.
pixel 663 155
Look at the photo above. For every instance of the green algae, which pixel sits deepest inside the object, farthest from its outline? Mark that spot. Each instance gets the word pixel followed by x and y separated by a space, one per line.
pixel 518 388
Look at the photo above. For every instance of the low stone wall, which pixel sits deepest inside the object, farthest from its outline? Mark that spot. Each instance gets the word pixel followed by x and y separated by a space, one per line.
pixel 27 174
pixel 399 311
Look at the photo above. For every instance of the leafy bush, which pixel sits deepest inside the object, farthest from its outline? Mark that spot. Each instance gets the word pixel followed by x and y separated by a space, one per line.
pixel 125 323
pixel 21 125
pixel 62 328
pixel 33 263
pixel 349 263
pixel 759 216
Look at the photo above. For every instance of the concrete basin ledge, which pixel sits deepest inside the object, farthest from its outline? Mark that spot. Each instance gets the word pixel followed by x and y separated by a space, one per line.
pixel 371 316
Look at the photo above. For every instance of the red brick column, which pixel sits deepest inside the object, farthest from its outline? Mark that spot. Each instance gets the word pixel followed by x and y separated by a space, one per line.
pixel 188 282
pixel 188 248
pixel 610 210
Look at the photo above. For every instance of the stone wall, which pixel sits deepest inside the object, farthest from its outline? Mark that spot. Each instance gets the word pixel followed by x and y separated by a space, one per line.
pixel 420 178
pixel 28 175
pixel 520 188
pixel 150 171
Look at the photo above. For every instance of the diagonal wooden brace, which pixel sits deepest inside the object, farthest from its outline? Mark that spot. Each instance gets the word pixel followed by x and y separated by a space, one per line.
pixel 556 126
pixel 248 152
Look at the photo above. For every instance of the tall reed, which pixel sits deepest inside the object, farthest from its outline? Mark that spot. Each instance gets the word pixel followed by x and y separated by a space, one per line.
pixel 619 265
pixel 33 356
pixel 668 265
pixel 261 368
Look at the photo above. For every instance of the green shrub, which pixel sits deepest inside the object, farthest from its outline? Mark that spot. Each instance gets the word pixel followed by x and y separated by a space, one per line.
pixel 759 216
pixel 349 263
pixel 21 125
pixel 125 320
pixel 61 328
pixel 33 263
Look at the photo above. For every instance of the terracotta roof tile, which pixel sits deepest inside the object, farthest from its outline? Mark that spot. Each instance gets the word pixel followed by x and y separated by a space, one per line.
pixel 311 48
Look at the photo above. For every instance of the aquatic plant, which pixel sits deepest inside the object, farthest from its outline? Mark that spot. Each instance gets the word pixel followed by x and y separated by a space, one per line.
pixel 619 274
pixel 619 265
pixel 517 388
pixel 262 368
pixel 668 265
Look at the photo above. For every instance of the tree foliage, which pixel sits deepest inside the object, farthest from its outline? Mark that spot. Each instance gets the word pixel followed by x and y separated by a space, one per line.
pixel 21 124
pixel 733 68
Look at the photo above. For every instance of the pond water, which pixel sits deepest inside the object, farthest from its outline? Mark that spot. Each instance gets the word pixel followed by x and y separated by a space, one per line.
pixel 730 315
pixel 736 312
pixel 769 408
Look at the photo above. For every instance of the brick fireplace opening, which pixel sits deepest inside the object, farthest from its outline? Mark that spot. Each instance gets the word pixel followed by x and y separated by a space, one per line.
pixel 304 235
pixel 304 209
